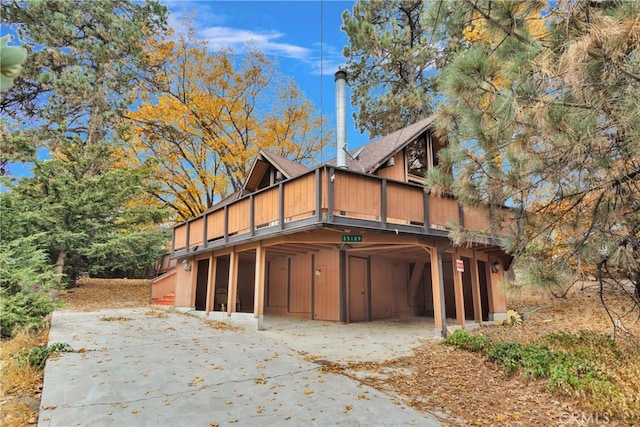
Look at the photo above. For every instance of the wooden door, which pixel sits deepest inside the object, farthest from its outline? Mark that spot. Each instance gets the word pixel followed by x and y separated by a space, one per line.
pixel 358 289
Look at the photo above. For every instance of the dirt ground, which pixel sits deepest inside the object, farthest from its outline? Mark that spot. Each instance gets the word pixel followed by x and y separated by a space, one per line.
pixel 474 392
pixel 460 386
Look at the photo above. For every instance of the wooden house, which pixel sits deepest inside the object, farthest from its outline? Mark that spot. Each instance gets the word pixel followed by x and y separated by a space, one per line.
pixel 354 242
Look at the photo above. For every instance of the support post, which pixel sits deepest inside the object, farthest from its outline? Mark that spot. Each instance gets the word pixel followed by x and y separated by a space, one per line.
pixel 186 243
pixel 226 223
pixel 252 216
pixel 343 285
pixel 475 289
pixel 233 282
pixel 458 291
pixel 330 188
pixel 426 216
pixel 281 205
pixel 258 298
pixel 437 289
pixel 211 283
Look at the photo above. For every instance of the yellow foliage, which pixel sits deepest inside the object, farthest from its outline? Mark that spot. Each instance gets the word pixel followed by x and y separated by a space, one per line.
pixel 202 119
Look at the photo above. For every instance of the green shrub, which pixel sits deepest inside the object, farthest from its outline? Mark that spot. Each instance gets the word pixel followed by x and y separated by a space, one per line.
pixel 537 361
pixel 462 339
pixel 507 353
pixel 24 310
pixel 37 356
pixel 586 344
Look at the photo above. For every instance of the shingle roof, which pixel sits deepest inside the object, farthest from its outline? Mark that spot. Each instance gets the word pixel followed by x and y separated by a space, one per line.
pixel 371 156
pixel 287 167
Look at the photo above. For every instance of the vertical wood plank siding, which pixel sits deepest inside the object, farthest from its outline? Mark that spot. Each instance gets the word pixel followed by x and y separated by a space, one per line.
pixel 266 207
pixel 239 217
pixel 196 233
pixel 179 236
pixel 477 219
pixel 300 285
pixel 442 211
pixel 327 193
pixel 215 224
pixel 404 204
pixel 357 196
pixel 300 197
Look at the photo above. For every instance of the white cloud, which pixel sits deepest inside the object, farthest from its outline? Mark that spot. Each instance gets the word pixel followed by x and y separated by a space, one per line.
pixel 210 26
pixel 326 60
pixel 239 39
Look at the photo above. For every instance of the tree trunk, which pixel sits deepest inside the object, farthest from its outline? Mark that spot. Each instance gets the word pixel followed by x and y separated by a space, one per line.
pixel 59 268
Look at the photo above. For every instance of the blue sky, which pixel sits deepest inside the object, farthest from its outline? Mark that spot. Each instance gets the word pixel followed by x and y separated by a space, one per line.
pixel 304 36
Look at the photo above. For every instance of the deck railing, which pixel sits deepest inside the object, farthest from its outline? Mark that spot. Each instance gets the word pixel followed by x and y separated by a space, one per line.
pixel 327 195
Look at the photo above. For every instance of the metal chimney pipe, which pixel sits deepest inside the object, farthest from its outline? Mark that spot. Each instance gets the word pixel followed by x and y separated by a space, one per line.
pixel 341 118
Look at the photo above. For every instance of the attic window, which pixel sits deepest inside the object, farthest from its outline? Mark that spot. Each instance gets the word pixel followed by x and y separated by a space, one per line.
pixel 420 157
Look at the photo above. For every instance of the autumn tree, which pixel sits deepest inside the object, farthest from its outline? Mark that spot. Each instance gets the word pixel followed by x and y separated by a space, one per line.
pixel 203 116
pixel 542 113
pixel 391 63
pixel 83 56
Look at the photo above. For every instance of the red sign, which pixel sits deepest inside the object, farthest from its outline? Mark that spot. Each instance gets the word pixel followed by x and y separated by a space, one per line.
pixel 460 265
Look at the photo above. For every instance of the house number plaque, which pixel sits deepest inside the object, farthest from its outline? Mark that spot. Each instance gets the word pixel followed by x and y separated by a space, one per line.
pixel 351 238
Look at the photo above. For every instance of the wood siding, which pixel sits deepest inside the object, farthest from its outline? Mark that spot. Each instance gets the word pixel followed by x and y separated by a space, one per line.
pixel 185 284
pixel 266 207
pixel 356 196
pixel 327 196
pixel 277 283
pixel 381 288
pixel 389 288
pixel 405 204
pixel 300 284
pixel 326 296
pixel 196 233
pixel 443 211
pixel 180 236
pixel 239 217
pixel 299 201
pixel 215 225
pixel 477 219
pixel 164 285
pixel 396 172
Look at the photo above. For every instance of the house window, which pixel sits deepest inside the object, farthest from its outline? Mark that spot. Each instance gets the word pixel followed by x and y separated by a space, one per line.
pixel 420 157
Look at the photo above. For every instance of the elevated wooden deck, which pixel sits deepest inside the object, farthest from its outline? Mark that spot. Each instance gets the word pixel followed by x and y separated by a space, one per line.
pixel 326 197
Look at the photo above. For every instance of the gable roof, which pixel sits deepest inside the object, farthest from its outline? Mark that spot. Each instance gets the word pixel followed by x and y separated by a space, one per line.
pixel 371 156
pixel 260 166
pixel 288 168
pixel 367 158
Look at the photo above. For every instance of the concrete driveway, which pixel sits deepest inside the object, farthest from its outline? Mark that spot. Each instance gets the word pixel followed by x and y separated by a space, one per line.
pixel 155 367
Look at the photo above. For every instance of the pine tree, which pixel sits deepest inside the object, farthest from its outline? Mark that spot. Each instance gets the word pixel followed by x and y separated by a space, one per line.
pixel 542 114
pixel 83 58
pixel 391 63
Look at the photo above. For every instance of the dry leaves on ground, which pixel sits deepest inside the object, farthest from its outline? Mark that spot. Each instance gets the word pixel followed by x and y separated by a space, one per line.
pixel 462 388
pixel 96 294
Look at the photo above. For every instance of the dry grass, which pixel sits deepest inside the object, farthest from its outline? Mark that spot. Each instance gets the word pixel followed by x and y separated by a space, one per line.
pixel 472 391
pixel 21 385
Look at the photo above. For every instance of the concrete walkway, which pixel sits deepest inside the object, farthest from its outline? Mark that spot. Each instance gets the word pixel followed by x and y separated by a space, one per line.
pixel 356 342
pixel 155 367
